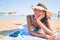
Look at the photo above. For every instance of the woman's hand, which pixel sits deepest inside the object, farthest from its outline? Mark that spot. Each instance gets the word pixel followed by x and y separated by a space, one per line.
pixel 38 17
pixel 52 37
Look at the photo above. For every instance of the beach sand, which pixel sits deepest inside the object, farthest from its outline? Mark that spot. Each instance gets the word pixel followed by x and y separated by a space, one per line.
pixel 56 25
pixel 10 24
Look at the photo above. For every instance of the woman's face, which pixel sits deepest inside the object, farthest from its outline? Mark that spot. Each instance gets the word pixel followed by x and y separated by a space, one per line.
pixel 38 12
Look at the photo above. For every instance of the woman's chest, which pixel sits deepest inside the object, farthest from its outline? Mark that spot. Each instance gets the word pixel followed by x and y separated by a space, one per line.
pixel 36 25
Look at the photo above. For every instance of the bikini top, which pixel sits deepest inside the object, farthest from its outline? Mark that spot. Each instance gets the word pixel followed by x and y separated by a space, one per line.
pixel 43 21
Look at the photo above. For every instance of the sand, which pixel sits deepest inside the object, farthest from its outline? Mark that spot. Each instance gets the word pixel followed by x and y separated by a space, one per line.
pixel 56 25
pixel 10 24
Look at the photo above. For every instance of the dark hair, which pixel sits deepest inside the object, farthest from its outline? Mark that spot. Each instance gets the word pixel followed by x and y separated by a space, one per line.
pixel 45 18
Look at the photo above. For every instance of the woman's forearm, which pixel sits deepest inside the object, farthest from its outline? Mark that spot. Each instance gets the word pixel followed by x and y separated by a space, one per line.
pixel 45 29
pixel 48 24
pixel 39 35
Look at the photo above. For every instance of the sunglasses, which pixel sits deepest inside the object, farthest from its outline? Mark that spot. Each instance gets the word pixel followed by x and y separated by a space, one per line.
pixel 38 10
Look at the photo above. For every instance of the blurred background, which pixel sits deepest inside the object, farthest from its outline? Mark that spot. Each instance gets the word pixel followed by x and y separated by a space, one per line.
pixel 13 14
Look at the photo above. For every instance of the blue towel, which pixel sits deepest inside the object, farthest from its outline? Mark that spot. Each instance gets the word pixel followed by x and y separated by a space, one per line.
pixel 19 31
pixel 22 32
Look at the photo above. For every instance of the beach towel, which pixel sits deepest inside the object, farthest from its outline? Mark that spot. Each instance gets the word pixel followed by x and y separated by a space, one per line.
pixel 22 33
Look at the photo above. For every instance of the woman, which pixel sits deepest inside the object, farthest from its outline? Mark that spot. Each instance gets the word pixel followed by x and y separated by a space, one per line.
pixel 39 24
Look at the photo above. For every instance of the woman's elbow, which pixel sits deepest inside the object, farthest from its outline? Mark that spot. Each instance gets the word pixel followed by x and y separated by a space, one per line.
pixel 31 32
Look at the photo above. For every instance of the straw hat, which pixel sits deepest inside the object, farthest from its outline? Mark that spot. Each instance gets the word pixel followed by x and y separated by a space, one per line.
pixel 42 6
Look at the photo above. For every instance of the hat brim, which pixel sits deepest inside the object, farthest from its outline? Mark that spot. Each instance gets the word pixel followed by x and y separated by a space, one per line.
pixel 49 14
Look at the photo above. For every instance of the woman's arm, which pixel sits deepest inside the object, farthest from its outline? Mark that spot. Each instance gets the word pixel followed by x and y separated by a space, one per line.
pixel 48 24
pixel 43 27
pixel 31 30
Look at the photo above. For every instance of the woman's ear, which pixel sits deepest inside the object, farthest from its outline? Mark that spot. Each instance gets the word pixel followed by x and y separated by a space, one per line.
pixel 46 15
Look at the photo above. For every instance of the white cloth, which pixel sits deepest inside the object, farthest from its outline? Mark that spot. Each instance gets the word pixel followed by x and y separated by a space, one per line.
pixel 26 37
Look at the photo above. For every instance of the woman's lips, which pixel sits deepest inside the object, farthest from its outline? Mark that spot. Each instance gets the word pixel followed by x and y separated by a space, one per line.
pixel 37 15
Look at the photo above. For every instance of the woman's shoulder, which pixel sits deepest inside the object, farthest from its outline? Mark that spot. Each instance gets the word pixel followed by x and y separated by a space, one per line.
pixel 30 18
pixel 30 15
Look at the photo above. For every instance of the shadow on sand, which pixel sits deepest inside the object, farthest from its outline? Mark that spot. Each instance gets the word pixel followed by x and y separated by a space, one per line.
pixel 6 32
